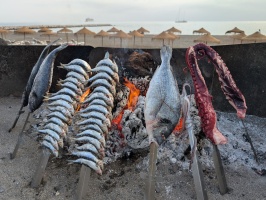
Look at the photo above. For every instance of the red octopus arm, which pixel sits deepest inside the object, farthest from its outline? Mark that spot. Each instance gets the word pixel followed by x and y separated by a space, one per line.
pixel 203 100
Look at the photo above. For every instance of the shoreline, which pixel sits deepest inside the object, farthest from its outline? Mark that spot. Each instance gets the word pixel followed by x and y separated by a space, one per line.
pixel 55 26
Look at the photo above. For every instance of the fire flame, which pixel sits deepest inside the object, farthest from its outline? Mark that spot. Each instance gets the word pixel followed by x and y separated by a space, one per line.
pixel 82 98
pixel 179 126
pixel 132 101
pixel 133 95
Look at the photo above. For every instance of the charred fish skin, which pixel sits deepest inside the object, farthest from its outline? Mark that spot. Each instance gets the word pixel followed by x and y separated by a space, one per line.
pixel 34 71
pixel 43 79
pixel 91 127
pixel 88 156
pixel 107 70
pixel 91 140
pixel 101 75
pixel 88 163
pixel 95 96
pixel 75 68
pixel 104 90
pixel 91 148
pixel 76 88
pixel 68 92
pixel 50 147
pixel 81 63
pixel 76 75
pixel 162 104
pixel 64 97
pixel 104 83
pixel 59 115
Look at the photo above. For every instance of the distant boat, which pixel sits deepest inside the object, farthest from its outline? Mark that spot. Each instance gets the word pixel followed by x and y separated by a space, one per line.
pixel 89 20
pixel 181 21
pixel 178 20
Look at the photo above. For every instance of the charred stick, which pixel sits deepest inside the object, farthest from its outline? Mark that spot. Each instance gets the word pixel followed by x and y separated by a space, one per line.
pixel 13 155
pixel 16 120
pixel 250 141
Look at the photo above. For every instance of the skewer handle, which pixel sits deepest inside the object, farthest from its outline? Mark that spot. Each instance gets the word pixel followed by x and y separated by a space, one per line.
pixel 84 178
pixel 150 184
pixel 37 178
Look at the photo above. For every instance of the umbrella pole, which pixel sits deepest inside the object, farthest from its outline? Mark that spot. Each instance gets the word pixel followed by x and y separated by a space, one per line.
pixel 134 41
pixel 102 41
pixel 121 42
pixel 2 35
pixel 84 39
pixel 24 35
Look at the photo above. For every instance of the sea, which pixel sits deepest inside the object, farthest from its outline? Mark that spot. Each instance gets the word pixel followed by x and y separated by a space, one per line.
pixel 156 27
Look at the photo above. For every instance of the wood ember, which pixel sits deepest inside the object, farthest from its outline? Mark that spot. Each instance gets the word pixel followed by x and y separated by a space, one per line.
pixel 141 83
pixel 121 99
pixel 134 126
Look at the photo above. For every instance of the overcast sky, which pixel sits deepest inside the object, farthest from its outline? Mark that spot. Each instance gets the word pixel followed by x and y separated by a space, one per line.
pixel 72 11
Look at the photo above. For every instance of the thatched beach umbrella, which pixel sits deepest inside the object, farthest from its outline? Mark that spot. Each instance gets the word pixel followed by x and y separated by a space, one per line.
pixel 3 31
pixel 207 38
pixel 102 34
pixel 164 36
pixel 201 31
pixel 135 34
pixel 238 36
pixel 122 35
pixel 257 36
pixel 49 34
pixel 44 29
pixel 174 30
pixel 142 30
pixel 66 31
pixel 234 30
pixel 85 32
pixel 113 30
pixel 24 30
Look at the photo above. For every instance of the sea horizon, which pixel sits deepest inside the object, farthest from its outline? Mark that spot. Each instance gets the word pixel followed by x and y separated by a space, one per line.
pixel 156 27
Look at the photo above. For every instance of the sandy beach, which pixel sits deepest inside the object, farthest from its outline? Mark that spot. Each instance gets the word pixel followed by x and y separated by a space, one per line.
pixel 124 179
pixel 140 42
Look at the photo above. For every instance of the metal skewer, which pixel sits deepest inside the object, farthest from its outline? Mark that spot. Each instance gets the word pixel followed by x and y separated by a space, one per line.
pixel 13 155
pixel 16 120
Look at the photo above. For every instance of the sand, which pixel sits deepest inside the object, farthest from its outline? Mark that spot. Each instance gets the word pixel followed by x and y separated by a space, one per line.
pixel 146 42
pixel 123 179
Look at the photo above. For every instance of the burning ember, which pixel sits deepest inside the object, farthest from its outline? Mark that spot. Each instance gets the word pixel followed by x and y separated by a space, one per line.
pixel 83 97
pixel 131 103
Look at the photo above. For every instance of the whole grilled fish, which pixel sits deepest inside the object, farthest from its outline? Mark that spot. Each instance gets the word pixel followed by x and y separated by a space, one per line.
pixel 162 103
pixel 43 79
pixel 34 71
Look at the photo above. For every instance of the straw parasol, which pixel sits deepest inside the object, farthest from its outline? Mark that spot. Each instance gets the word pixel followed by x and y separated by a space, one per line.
pixel 102 34
pixel 234 30
pixel 238 36
pixel 49 34
pixel 174 30
pixel 44 29
pixel 85 32
pixel 113 30
pixel 66 31
pixel 201 31
pixel 164 36
pixel 257 36
pixel 207 38
pixel 122 35
pixel 142 30
pixel 135 34
pixel 24 30
pixel 3 31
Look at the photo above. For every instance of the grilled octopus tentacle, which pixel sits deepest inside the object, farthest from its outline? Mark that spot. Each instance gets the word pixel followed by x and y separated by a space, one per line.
pixel 202 96
pixel 228 85
pixel 203 100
